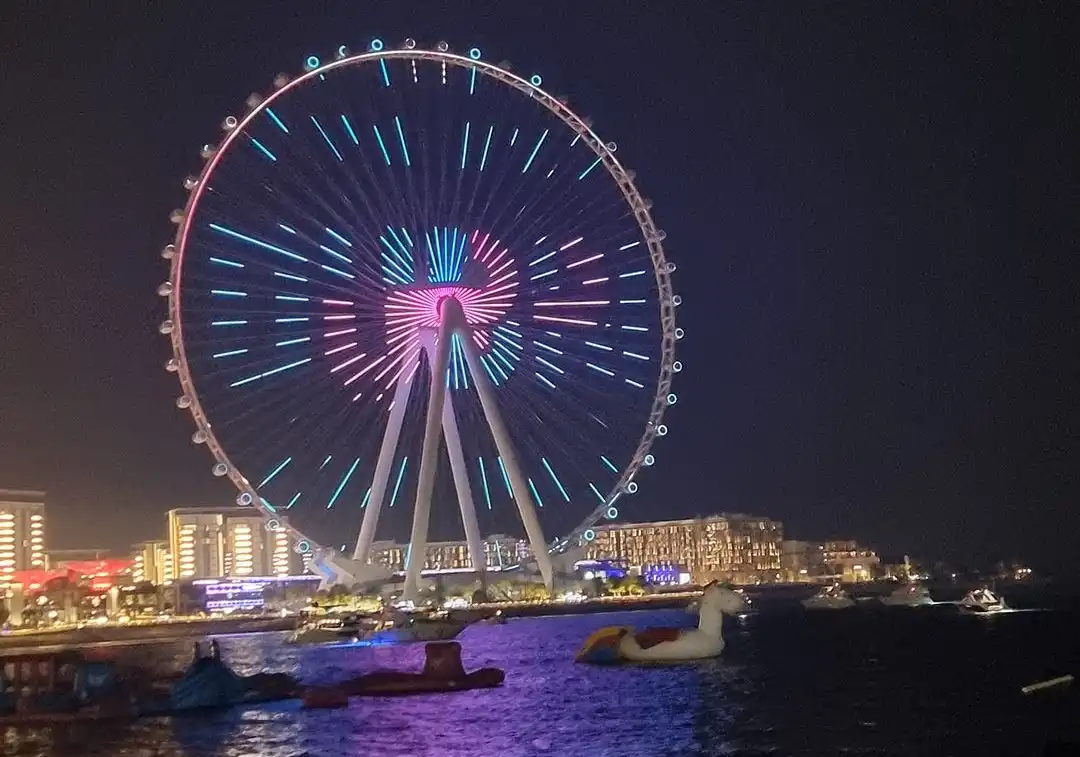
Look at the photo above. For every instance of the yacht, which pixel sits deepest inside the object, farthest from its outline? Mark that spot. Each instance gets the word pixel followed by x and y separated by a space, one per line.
pixel 398 628
pixel 336 628
pixel 982 602
pixel 911 595
pixel 829 598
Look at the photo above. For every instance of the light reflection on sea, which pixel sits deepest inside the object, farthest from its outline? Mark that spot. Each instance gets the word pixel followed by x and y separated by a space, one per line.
pixel 865 683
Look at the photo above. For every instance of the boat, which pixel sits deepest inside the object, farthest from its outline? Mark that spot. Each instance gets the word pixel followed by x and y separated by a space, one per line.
pixel 615 645
pixel 982 602
pixel 910 595
pixel 337 628
pixel 829 598
pixel 395 628
pixel 443 672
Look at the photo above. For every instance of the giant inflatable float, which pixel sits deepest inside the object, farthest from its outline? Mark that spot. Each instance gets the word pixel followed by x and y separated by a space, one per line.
pixel 616 645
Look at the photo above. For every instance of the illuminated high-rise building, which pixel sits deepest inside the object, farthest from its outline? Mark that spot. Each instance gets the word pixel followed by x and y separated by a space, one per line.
pixel 209 542
pixel 499 551
pixel 22 532
pixel 196 542
pixel 252 549
pixel 152 562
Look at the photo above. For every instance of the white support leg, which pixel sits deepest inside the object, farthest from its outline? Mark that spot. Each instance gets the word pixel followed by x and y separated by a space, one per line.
pixel 461 486
pixel 428 461
pixel 383 467
pixel 522 494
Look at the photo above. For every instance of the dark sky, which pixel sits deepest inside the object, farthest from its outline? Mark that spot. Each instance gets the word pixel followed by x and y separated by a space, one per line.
pixel 873 211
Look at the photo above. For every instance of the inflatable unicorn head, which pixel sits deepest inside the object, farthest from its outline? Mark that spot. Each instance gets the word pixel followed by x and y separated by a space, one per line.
pixel 717 601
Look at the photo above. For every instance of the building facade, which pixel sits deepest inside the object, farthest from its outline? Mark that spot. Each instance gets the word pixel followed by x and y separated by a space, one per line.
pixel 207 542
pixel 252 549
pixel 727 547
pixel 152 563
pixel 22 532
pixel 453 556
pixel 846 560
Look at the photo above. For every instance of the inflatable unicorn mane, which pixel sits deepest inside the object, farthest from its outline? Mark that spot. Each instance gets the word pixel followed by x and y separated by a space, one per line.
pixel 614 645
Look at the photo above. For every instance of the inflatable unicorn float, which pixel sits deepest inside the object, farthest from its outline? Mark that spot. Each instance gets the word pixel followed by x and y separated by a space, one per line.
pixel 614 645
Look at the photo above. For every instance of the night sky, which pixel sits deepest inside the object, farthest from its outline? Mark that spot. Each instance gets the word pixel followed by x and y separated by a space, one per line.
pixel 873 210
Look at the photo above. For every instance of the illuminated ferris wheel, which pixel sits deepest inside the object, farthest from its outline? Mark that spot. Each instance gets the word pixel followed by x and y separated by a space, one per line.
pixel 408 276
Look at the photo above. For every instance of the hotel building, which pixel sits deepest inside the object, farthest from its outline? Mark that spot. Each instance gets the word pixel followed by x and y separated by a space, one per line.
pixel 848 561
pixel 451 556
pixel 22 532
pixel 207 542
pixel 151 562
pixel 729 547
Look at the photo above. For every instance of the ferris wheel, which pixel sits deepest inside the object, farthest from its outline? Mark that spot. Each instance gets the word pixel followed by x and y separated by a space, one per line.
pixel 411 276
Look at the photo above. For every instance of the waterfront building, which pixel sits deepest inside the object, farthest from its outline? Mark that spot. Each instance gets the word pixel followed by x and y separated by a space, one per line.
pixel 208 542
pixel 729 547
pixel 152 562
pixel 22 532
pixel 252 549
pixel 801 561
pixel 453 556
pixel 846 560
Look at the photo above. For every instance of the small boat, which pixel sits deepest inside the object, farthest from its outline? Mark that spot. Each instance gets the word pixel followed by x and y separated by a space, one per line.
pixel 336 628
pixel 398 628
pixel 443 672
pixel 829 598
pixel 911 595
pixel 982 602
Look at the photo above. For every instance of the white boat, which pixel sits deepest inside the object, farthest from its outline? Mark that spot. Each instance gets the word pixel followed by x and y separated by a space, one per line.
pixel 336 628
pixel 401 628
pixel 829 598
pixel 910 595
pixel 982 602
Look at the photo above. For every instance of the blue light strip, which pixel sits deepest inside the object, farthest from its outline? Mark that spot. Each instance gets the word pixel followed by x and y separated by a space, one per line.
pixel 433 258
pixel 276 120
pixel 385 73
pixel 228 293
pixel 271 372
pixel 609 464
pixel 289 229
pixel 598 369
pixel 588 170
pixel 552 366
pixel 536 494
pixel 506 479
pixel 327 460
pixel 349 129
pixel 472 81
pixel 338 237
pixel 230 263
pixel 262 149
pixel 465 145
pixel 337 271
pixel 487 144
pixel 513 137
pixel 397 485
pixel 536 149
pixel 596 491
pixel 555 478
pixel 327 138
pixel 483 479
pixel 382 145
pixel 228 323
pixel 274 472
pixel 257 243
pixel 293 501
pixel 401 138
pixel 335 253
pixel 544 379
pixel 290 277
pixel 344 481
pixel 298 340
pixel 367 498
pixel 230 353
